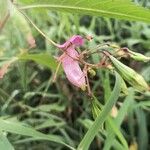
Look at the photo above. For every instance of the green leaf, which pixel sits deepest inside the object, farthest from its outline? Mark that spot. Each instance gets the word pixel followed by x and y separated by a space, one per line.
pixel 52 107
pixel 50 123
pixel 91 133
pixel 125 106
pixel 121 9
pixel 121 114
pixel 4 143
pixel 96 109
pixel 42 58
pixel 22 129
pixel 116 130
pixel 142 129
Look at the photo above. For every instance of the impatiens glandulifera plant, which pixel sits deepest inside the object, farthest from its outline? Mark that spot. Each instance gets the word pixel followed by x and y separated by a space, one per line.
pixel 77 68
pixel 70 63
pixel 128 74
pixel 70 60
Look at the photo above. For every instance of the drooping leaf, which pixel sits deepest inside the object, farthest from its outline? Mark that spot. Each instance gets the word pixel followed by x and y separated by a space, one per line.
pixel 42 58
pixel 22 129
pixel 121 9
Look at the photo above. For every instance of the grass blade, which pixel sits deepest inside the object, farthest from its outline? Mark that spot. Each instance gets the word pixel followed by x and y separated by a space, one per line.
pixel 21 129
pixel 89 136
pixel 121 114
pixel 4 143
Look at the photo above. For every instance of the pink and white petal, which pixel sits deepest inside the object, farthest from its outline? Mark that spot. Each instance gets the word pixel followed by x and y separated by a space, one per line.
pixel 75 40
pixel 73 72
pixel 72 53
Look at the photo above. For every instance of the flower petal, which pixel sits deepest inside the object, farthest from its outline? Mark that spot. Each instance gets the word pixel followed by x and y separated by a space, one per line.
pixel 73 71
pixel 70 63
pixel 75 40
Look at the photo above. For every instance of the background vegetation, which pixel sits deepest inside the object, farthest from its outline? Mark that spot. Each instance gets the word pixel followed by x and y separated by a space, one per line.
pixel 30 102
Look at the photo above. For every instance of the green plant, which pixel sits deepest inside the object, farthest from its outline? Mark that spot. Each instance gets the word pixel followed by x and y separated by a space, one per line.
pixel 27 91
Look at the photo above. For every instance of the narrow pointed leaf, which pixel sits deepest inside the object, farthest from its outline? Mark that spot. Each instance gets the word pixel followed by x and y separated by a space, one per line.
pixel 42 58
pixel 22 129
pixel 91 133
pixel 4 143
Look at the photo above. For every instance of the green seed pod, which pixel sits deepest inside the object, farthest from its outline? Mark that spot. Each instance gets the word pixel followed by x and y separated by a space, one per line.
pixel 128 74
pixel 138 56
pixel 96 108
pixel 134 55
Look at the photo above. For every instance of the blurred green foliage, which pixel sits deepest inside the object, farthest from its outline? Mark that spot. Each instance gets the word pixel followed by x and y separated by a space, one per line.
pixel 28 95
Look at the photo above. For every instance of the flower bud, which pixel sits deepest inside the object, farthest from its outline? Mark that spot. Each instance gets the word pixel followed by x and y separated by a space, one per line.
pixel 96 107
pixel 136 56
pixel 95 110
pixel 92 72
pixel 128 74
pixel 139 57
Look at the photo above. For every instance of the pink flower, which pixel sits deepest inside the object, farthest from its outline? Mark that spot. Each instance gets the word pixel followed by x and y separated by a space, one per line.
pixel 74 41
pixel 70 63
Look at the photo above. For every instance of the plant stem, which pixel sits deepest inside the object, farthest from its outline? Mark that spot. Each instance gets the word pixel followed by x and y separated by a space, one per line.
pixel 43 34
